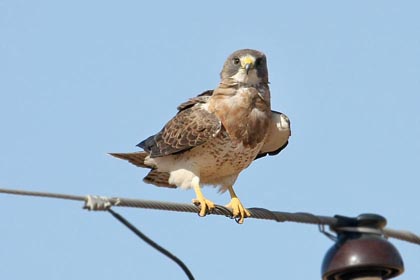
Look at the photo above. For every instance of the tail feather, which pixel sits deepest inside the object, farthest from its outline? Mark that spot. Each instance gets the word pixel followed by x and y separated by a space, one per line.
pixel 160 179
pixel 136 158
pixel 155 177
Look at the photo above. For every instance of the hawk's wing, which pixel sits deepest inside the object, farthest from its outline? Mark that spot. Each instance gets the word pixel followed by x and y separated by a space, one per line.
pixel 201 98
pixel 278 135
pixel 191 127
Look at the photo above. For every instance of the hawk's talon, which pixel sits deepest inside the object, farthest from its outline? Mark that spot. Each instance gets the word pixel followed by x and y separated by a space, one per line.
pixel 206 206
pixel 239 212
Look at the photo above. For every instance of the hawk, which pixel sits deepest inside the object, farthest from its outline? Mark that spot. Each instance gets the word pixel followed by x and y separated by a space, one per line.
pixel 217 134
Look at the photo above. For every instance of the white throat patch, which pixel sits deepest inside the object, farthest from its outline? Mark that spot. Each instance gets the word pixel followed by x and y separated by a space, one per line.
pixel 251 79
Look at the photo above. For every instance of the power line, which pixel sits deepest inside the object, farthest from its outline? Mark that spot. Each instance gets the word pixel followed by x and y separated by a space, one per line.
pixel 98 203
pixel 149 241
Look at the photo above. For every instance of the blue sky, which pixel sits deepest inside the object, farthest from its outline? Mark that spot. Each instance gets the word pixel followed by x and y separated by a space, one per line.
pixel 79 79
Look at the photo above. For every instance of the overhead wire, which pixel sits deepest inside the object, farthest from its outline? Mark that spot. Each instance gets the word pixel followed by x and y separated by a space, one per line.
pixel 152 243
pixel 98 203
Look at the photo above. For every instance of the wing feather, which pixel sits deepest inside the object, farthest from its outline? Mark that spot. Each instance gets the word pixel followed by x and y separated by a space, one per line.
pixel 278 135
pixel 201 98
pixel 191 127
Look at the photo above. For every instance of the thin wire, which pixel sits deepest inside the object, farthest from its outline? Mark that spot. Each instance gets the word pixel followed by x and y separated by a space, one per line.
pixel 329 235
pixel 149 241
pixel 98 202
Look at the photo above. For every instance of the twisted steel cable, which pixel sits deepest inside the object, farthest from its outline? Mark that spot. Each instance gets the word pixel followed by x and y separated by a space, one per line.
pixel 98 203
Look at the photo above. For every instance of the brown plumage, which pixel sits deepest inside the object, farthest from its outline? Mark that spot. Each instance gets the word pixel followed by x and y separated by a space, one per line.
pixel 217 134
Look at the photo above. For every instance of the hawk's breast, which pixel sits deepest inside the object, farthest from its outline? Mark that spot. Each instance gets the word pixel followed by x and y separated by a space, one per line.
pixel 221 158
pixel 244 114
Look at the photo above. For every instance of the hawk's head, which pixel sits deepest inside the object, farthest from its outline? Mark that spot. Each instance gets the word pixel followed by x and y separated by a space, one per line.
pixel 246 67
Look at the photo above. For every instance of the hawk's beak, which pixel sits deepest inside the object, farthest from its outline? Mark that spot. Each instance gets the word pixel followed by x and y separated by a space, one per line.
pixel 248 63
pixel 247 67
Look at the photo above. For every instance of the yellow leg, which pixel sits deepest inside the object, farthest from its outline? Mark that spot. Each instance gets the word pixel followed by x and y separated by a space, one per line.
pixel 206 205
pixel 238 210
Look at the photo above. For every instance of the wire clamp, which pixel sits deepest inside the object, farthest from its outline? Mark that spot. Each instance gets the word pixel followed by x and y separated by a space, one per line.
pixel 98 203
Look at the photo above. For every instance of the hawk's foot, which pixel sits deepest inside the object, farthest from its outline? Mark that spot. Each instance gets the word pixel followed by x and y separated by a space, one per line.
pixel 206 206
pixel 238 210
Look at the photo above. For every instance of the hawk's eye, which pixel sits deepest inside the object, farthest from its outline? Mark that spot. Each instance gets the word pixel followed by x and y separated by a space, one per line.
pixel 236 61
pixel 258 61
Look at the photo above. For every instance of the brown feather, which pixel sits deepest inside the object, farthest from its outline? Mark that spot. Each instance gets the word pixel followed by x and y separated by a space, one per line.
pixel 157 178
pixel 191 127
pixel 245 122
pixel 201 98
pixel 136 158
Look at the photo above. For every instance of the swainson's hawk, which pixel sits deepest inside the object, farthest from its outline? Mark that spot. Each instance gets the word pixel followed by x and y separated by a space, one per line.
pixel 217 134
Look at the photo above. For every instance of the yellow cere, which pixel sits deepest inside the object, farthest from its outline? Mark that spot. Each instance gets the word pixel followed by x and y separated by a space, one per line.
pixel 247 60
